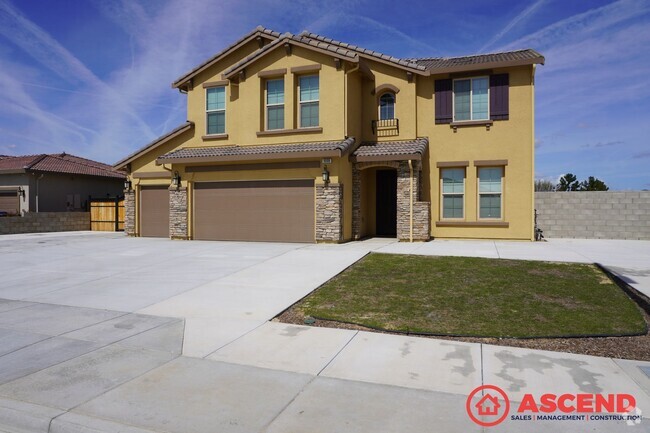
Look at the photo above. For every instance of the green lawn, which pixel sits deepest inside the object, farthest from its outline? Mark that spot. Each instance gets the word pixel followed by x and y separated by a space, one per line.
pixel 476 297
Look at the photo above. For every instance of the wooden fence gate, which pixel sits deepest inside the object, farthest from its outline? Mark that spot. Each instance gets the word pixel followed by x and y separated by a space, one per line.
pixel 107 214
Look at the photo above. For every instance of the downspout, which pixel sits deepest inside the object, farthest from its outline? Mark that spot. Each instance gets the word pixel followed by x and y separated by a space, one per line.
pixel 411 201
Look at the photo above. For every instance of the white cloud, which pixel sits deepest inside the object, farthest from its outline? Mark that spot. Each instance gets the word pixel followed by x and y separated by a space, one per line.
pixel 518 20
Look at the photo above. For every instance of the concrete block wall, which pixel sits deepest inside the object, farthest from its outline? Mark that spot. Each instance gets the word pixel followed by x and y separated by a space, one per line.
pixel 594 214
pixel 41 222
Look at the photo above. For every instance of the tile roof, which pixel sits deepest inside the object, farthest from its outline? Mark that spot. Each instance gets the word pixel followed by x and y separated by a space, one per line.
pixel 434 64
pixel 288 37
pixel 17 162
pixel 58 163
pixel 259 30
pixel 422 66
pixel 325 41
pixel 233 152
pixel 388 149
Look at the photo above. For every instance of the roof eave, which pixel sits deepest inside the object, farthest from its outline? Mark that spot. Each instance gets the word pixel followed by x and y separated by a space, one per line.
pixel 258 157
pixel 422 72
pixel 183 80
pixel 376 158
pixel 13 171
pixel 487 65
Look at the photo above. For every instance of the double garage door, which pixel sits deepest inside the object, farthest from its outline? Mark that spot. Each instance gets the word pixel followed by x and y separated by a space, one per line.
pixel 277 210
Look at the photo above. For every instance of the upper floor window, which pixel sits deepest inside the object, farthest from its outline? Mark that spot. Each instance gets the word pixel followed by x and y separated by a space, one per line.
pixel 489 191
pixel 309 98
pixel 387 106
pixel 453 192
pixel 471 100
pixel 275 104
pixel 215 107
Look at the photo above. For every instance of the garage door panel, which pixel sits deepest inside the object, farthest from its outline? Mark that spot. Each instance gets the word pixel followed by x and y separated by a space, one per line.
pixel 154 211
pixel 9 202
pixel 255 210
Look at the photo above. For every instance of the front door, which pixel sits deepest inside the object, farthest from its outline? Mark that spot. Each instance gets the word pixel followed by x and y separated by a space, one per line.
pixel 386 182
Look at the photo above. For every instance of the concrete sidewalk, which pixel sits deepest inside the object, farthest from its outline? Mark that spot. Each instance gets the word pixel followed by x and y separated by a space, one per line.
pixel 101 333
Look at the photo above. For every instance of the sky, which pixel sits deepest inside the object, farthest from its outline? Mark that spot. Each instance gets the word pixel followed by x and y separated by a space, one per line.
pixel 92 77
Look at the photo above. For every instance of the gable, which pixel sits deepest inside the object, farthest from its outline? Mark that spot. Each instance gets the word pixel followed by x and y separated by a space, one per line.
pixel 258 37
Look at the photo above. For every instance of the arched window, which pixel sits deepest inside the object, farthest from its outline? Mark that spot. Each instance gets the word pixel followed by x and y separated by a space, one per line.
pixel 387 106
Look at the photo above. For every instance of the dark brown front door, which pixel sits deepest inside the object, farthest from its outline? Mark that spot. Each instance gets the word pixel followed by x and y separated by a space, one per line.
pixel 269 210
pixel 386 202
pixel 154 211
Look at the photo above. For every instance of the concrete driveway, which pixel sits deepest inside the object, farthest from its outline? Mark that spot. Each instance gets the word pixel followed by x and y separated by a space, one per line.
pixel 102 333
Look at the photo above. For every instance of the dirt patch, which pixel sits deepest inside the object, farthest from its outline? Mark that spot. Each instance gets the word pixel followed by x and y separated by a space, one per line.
pixel 635 348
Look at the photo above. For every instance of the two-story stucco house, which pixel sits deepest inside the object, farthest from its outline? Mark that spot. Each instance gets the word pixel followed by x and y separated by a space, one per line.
pixel 303 138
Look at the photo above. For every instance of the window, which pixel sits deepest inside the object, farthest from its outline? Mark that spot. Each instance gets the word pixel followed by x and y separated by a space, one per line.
pixel 215 107
pixel 471 99
pixel 309 101
pixel 453 192
pixel 387 106
pixel 489 191
pixel 275 104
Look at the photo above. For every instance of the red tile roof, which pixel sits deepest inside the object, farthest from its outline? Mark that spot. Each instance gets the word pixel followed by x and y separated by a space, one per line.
pixel 58 163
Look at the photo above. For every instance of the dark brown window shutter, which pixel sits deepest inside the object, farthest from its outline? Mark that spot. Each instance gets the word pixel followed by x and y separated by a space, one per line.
pixel 444 108
pixel 499 95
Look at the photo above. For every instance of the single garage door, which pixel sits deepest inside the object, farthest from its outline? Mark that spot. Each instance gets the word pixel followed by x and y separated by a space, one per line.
pixel 154 211
pixel 277 210
pixel 9 202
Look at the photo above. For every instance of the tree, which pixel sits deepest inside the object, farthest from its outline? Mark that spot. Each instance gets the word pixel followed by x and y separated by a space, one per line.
pixel 568 182
pixel 544 185
pixel 593 184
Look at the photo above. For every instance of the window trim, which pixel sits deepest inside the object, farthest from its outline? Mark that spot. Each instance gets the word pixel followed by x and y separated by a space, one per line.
pixel 443 194
pixel 479 193
pixel 267 105
pixel 387 92
pixel 311 101
pixel 221 110
pixel 471 97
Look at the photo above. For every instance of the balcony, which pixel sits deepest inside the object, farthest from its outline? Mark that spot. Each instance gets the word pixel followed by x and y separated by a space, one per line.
pixel 385 127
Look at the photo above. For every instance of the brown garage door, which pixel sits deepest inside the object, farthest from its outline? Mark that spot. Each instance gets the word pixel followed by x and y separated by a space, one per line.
pixel 154 211
pixel 9 202
pixel 278 210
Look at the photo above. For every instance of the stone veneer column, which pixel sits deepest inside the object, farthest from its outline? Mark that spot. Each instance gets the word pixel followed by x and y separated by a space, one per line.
pixel 329 213
pixel 421 210
pixel 356 202
pixel 129 212
pixel 177 212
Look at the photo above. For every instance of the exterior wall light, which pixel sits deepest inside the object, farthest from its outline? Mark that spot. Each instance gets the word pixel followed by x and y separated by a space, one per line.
pixel 176 180
pixel 326 174
pixel 21 191
pixel 127 185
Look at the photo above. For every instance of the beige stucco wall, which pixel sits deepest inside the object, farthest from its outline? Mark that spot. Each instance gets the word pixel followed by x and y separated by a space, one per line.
pixel 511 140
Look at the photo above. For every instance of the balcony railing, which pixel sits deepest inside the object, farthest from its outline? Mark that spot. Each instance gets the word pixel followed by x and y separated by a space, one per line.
pixel 385 127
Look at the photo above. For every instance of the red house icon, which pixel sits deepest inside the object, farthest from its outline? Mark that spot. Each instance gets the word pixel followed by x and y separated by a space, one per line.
pixel 488 405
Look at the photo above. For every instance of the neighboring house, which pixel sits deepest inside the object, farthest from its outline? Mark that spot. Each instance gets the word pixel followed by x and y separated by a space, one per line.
pixel 303 138
pixel 54 183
